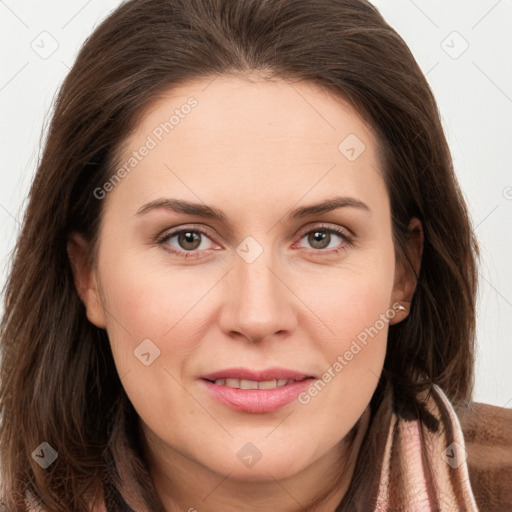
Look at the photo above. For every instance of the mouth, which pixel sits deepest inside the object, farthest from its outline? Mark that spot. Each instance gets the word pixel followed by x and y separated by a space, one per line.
pixel 266 376
pixel 254 384
pixel 256 391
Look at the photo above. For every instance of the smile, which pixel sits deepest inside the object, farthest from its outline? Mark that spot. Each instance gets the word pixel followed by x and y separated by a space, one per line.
pixel 253 384
pixel 255 397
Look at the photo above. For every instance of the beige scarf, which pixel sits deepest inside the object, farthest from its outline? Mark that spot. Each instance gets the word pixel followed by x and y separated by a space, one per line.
pixel 411 464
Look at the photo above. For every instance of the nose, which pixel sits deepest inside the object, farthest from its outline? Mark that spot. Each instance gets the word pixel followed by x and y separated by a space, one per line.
pixel 259 303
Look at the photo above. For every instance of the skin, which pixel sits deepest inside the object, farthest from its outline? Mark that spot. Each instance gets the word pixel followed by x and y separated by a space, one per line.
pixel 256 150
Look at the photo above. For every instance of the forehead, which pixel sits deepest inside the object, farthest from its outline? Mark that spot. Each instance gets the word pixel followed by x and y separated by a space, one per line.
pixel 257 110
pixel 230 135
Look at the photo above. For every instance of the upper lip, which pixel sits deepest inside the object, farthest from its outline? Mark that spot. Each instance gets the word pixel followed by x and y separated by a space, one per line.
pixel 257 375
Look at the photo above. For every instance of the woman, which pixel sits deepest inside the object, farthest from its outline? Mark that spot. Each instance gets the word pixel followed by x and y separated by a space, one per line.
pixel 177 334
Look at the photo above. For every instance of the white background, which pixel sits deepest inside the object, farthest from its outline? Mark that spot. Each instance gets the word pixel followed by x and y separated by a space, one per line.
pixel 473 90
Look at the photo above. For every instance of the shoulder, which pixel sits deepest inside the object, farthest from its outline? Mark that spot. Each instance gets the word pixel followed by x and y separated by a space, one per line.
pixel 487 431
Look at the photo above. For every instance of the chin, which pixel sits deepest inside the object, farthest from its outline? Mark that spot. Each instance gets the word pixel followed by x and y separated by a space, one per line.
pixel 263 461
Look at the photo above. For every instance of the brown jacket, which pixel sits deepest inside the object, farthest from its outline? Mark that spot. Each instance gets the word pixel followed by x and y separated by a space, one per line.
pixel 488 437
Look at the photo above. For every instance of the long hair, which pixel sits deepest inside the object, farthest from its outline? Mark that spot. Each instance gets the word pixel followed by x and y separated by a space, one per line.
pixel 58 379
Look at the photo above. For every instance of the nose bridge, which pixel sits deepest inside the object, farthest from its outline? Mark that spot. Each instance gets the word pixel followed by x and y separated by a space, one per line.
pixel 258 280
pixel 259 303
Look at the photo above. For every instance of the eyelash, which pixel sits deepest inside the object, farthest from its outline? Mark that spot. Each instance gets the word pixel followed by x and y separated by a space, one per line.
pixel 347 240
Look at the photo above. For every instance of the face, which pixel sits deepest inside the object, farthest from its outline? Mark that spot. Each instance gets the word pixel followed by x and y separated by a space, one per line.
pixel 250 278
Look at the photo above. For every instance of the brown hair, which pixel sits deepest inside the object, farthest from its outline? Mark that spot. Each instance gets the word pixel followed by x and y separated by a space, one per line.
pixel 59 383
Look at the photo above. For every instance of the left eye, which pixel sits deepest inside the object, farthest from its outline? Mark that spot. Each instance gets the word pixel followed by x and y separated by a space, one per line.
pixel 319 236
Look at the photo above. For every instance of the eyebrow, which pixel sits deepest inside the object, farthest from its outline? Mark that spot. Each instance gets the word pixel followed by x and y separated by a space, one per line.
pixel 203 210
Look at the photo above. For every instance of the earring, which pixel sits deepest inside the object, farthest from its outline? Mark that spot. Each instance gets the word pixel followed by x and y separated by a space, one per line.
pixel 401 308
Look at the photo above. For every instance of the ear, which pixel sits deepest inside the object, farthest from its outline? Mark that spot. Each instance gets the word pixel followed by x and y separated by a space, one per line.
pixel 85 278
pixel 405 274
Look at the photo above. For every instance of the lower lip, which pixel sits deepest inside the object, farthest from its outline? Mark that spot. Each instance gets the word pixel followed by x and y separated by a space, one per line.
pixel 257 400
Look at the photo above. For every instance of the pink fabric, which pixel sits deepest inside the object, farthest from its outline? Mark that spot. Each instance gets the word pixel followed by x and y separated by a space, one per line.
pixel 423 470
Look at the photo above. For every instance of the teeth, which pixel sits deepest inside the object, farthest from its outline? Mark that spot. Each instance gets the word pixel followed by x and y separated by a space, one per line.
pixel 248 384
pixel 253 384
pixel 269 384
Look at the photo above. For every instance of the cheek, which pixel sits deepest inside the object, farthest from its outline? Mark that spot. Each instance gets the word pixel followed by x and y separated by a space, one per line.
pixel 357 343
pixel 147 303
pixel 355 310
pixel 353 299
pixel 150 332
